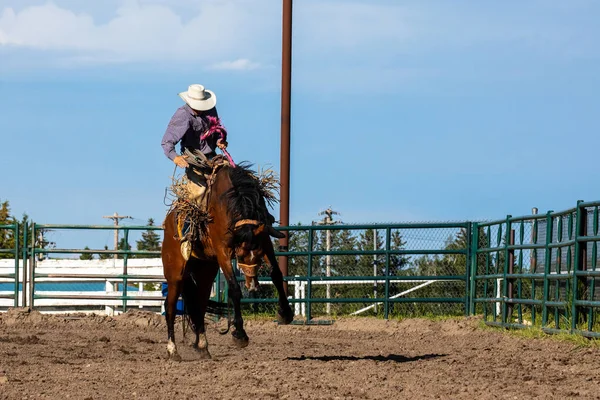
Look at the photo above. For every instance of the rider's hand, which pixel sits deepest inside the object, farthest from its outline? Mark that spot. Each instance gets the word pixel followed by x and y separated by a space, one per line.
pixel 222 144
pixel 181 162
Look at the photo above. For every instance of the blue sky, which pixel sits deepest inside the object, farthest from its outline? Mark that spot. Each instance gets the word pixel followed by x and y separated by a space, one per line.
pixel 402 110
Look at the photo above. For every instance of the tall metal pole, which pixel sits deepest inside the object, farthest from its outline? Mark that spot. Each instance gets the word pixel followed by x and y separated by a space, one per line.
pixel 286 92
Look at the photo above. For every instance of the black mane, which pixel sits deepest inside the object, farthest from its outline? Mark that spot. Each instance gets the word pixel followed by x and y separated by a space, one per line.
pixel 244 200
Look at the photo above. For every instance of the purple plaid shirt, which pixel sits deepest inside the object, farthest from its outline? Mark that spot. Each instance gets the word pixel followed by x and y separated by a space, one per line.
pixel 186 127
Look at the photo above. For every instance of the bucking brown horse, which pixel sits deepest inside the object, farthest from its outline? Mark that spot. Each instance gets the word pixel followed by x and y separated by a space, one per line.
pixel 239 228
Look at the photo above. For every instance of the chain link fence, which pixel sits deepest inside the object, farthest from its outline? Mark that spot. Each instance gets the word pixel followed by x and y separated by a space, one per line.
pixel 398 270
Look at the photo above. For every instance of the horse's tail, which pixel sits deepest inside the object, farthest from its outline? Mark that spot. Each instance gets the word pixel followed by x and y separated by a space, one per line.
pixel 213 307
pixel 221 310
pixel 217 308
pixel 191 306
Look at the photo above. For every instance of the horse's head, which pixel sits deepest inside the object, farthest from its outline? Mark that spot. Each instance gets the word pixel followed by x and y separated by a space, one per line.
pixel 249 241
pixel 244 195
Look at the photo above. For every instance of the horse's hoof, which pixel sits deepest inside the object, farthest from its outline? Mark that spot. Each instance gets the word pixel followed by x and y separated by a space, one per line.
pixel 203 354
pixel 172 351
pixel 286 317
pixel 241 343
pixel 240 340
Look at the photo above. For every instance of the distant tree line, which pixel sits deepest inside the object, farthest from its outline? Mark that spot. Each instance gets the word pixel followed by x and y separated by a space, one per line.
pixel 150 241
pixel 368 265
pixel 8 238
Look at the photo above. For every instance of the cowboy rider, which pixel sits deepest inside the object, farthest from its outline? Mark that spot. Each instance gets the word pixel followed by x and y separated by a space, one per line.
pixel 187 126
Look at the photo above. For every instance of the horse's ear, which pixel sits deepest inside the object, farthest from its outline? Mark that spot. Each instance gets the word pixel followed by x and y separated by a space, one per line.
pixel 275 233
pixel 258 230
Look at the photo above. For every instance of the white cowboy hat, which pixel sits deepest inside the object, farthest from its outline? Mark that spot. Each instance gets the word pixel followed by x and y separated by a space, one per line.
pixel 198 98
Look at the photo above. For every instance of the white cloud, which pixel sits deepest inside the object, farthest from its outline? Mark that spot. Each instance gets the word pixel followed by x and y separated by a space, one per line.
pixel 379 44
pixel 237 65
pixel 360 27
pixel 221 31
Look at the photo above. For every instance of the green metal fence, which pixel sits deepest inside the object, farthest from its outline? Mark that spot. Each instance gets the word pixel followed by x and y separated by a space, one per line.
pixel 394 269
pixel 124 276
pixel 385 270
pixel 539 270
pixel 535 270
pixel 9 235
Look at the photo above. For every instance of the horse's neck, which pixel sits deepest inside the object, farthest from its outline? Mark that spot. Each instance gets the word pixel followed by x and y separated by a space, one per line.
pixel 221 185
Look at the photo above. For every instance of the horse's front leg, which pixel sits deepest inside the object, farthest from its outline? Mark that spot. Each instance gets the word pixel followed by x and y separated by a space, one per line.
pixel 285 313
pixel 240 337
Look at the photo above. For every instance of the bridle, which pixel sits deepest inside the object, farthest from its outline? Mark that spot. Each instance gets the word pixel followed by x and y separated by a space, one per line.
pixel 249 269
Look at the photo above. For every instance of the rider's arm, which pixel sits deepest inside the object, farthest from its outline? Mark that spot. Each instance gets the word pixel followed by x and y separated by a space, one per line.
pixel 178 126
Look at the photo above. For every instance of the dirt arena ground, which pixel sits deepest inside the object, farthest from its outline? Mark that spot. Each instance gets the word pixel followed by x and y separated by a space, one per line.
pixel 97 357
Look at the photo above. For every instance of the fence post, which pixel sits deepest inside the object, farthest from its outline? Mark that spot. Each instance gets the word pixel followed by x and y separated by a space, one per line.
pixel 126 243
pixel 547 266
pixel 309 276
pixel 388 234
pixel 109 287
pixel 471 277
pixel 510 281
pixel 580 264
pixel 375 268
pixel 505 271
pixel 24 267
pixel 17 257
pixel 31 283
pixel 594 259
pixel 296 296
pixel 468 269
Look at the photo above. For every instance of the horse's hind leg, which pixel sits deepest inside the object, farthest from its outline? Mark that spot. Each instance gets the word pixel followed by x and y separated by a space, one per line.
pixel 197 290
pixel 174 290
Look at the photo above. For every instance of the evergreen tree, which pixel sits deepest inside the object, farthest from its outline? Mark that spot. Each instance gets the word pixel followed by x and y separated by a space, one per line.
pixel 297 241
pixel 123 245
pixel 86 256
pixel 398 262
pixel 150 241
pixel 7 237
pixel 105 256
pixel 7 240
pixel 368 263
pixel 341 240
pixel 41 240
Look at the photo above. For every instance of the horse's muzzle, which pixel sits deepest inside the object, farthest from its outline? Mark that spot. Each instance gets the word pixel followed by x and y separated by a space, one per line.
pixel 250 271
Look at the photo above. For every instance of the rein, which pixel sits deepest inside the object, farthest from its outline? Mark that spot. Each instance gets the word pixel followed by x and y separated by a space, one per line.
pixel 215 127
pixel 228 157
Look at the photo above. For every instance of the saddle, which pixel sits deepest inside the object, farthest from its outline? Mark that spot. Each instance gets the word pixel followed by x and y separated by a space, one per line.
pixel 192 217
pixel 191 214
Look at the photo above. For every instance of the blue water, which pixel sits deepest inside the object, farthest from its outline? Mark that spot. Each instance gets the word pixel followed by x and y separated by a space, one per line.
pixel 68 287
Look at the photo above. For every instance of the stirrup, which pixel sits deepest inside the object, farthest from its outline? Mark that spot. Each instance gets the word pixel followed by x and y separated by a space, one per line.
pixel 186 249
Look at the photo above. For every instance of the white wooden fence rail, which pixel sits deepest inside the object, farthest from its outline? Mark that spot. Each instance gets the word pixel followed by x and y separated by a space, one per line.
pixel 150 268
